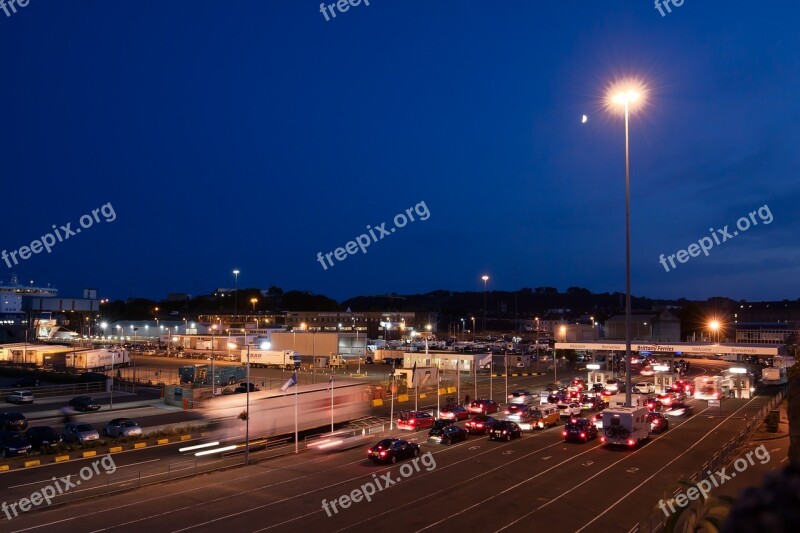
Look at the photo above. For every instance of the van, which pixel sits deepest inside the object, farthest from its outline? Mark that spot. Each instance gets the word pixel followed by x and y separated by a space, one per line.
pixel 540 417
pixel 626 426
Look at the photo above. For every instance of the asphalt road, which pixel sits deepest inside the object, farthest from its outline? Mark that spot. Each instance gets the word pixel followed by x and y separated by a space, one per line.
pixel 536 481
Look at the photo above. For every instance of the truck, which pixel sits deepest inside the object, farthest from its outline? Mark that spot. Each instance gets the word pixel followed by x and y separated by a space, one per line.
pixel 618 400
pixel 96 360
pixel 333 360
pixel 774 376
pixel 221 375
pixel 625 426
pixel 271 358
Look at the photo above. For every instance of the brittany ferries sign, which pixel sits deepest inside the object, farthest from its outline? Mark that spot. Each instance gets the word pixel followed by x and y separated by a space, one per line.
pixel 677 347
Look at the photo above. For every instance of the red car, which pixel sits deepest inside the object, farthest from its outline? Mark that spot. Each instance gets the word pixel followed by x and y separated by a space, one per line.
pixel 666 399
pixel 454 412
pixel 484 407
pixel 414 420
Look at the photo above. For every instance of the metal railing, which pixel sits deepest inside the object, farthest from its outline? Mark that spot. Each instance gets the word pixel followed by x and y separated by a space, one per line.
pixel 50 391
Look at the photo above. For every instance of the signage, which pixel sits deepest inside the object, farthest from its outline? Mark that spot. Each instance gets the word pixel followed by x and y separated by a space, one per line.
pixel 715 403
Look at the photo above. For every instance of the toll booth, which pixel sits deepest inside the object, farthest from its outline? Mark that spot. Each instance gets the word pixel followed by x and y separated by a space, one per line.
pixel 663 382
pixel 736 386
pixel 596 376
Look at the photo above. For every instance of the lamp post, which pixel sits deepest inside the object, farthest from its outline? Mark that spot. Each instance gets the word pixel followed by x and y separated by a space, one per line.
pixel 714 327
pixel 356 348
pixel 626 98
pixel 247 411
pixel 485 279
pixel 235 290
pixel 462 329
pixel 473 329
pixel 254 301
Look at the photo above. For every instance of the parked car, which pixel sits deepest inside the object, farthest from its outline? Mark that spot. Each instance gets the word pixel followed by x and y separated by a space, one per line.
pixel 26 382
pixel 480 424
pixel 505 430
pixel 20 397
pixel 448 434
pixel 484 407
pixel 581 429
pixel 122 427
pixel 42 437
pixel 414 420
pixel 390 450
pixel 84 403
pixel 13 444
pixel 80 433
pixel 13 422
pixel 454 412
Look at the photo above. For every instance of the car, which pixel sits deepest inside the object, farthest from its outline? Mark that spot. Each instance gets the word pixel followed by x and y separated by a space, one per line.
pixel 42 437
pixel 84 403
pixel 578 383
pixel 680 409
pixel 658 422
pixel 483 406
pixel 647 371
pixel 582 429
pixel 448 434
pixel 513 411
pixel 20 397
pixel 414 420
pixel 505 430
pixel 242 388
pixel 26 382
pixel 682 385
pixel 597 420
pixel 519 396
pixel 569 410
pixel 13 444
pixel 653 404
pixel 454 412
pixel 666 399
pixel 122 427
pixel 480 424
pixel 645 387
pixel 596 389
pixel 613 385
pixel 80 433
pixel 390 450
pixel 13 422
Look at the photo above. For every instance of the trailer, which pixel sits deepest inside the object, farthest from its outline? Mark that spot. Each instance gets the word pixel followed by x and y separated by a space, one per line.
pixel 618 400
pixel 625 426
pixel 774 376
pixel 271 358
pixel 708 388
pixel 96 360
pixel 333 360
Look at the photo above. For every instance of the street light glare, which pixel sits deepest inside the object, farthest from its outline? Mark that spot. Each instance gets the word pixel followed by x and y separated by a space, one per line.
pixel 625 92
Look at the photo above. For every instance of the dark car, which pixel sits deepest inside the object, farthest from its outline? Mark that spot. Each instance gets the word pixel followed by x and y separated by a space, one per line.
pixel 484 407
pixel 658 422
pixel 26 382
pixel 448 434
pixel 440 423
pixel 42 437
pixel 390 450
pixel 653 404
pixel 515 409
pixel 454 412
pixel 84 403
pixel 480 424
pixel 505 430
pixel 242 388
pixel 13 422
pixel 13 444
pixel 580 429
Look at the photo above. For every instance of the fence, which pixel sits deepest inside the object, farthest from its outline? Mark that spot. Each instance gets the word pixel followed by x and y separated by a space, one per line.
pixel 71 389
pixel 722 456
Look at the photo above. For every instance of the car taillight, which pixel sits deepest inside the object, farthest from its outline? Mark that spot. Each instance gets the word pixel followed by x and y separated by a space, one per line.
pixel 383 453
pixel 478 425
pixel 583 435
pixel 564 433
pixel 507 412
pixel 504 432
pixel 630 442
pixel 602 439
pixel 656 421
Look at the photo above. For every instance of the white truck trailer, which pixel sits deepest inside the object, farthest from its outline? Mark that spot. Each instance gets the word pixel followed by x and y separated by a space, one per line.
pixel 618 400
pixel 271 358
pixel 625 426
pixel 97 360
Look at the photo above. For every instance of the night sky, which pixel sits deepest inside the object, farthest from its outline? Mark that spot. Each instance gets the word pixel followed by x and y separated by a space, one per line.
pixel 255 134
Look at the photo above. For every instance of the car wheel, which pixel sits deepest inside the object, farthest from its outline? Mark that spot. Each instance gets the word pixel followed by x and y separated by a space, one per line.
pixel 393 459
pixel 416 452
pixel 447 442
pixel 508 437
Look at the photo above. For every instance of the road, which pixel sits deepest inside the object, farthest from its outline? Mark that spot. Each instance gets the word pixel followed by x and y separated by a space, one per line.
pixel 536 481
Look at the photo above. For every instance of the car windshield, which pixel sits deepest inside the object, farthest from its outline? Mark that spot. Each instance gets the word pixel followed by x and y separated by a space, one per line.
pixel 84 427
pixel 12 437
pixel 128 424
pixel 437 431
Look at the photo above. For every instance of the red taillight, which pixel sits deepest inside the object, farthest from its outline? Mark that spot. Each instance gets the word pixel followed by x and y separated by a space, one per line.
pixel 564 433
pixel 656 421
pixel 583 435
pixel 602 439
pixel 630 442
pixel 506 412
pixel 573 420
pixel 383 453
pixel 369 452
pixel 478 425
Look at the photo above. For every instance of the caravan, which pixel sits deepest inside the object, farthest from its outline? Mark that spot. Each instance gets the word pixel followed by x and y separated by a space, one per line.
pixel 626 426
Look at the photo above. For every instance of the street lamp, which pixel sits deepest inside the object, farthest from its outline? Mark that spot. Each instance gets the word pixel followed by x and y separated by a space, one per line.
pixel 473 329
pixel 235 289
pixel 462 329
pixel 254 301
pixel 626 97
pixel 485 278
pixel 714 327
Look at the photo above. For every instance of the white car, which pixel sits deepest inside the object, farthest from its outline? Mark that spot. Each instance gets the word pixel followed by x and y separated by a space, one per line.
pixel 20 396
pixel 569 409
pixel 646 387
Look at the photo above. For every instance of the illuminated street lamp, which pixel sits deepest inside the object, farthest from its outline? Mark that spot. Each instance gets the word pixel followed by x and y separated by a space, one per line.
pixel 254 301
pixel 473 329
pixel 714 327
pixel 485 279
pixel 235 288
pixel 626 97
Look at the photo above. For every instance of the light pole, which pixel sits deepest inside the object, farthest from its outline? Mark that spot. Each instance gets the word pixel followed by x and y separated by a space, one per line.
pixel 235 289
pixel 254 301
pixel 247 411
pixel 473 329
pixel 356 348
pixel 213 330
pixel 462 329
pixel 714 327
pixel 485 279
pixel 626 98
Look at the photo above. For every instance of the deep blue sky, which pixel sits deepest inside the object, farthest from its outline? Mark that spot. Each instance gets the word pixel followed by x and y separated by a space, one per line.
pixel 254 134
